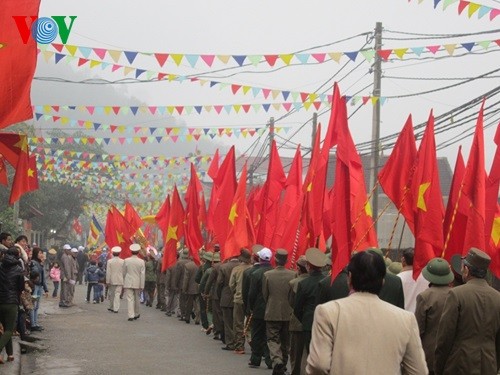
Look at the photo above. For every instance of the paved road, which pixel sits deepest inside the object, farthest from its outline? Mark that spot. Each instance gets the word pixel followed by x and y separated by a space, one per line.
pixel 87 339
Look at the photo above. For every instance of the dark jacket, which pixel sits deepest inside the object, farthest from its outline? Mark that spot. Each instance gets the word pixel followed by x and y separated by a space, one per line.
pixel 38 267
pixel 11 280
pixel 93 274
pixel 256 302
pixel 305 299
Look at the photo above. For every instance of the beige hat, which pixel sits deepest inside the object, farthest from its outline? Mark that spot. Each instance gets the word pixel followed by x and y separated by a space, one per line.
pixel 315 257
pixel 116 249
pixel 135 247
pixel 302 261
pixel 281 254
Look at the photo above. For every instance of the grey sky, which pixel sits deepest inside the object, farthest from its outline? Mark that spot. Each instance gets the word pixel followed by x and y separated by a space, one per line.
pixel 273 27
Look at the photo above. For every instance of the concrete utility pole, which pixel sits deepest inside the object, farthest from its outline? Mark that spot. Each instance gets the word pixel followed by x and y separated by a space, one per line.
pixel 377 80
pixel 271 132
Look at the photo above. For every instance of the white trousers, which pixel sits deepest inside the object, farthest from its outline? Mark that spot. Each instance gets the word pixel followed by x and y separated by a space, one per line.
pixel 114 292
pixel 133 302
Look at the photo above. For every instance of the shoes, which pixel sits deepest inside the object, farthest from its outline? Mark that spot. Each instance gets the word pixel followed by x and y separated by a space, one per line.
pixel 239 351
pixel 137 317
pixel 94 301
pixel 110 310
pixel 35 328
pixel 10 358
pixel 253 364
pixel 279 369
pixel 116 312
pixel 209 330
pixel 216 337
pixel 187 321
pixel 227 348
pixel 130 319
pixel 269 364
pixel 197 323
pixel 102 299
pixel 168 313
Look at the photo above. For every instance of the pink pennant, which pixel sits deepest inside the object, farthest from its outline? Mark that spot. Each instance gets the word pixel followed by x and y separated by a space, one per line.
pixel 220 130
pixel 246 107
pixel 319 57
pixel 191 130
pixel 90 109
pixel 266 92
pixel 115 67
pixel 462 5
pixel 137 129
pixel 287 106
pixel 121 140
pixel 169 130
pixel 174 138
pixel 365 99
pixel 493 14
pixel 80 123
pixel 433 49
pixel 161 58
pixel 218 108
pixel 197 137
pixel 100 52
pixel 69 139
pixel 271 59
pixel 152 109
pixel 208 59
pixel 251 132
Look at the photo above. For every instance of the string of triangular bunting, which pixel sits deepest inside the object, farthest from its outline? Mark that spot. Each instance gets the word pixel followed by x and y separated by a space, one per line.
pixel 471 7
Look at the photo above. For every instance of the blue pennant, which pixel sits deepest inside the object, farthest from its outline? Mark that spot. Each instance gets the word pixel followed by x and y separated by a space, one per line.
pixel 38 115
pixel 436 2
pixel 130 56
pixel 58 57
pixel 198 108
pixel 134 110
pixel 240 59
pixel 285 94
pixel 266 107
pixel 352 55
pixel 469 46
pixel 138 72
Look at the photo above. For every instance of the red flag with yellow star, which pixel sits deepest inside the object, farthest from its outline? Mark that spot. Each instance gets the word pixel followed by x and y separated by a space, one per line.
pixel 352 217
pixel 175 231
pixel 163 216
pixel 225 183
pixel 132 217
pixel 213 170
pixel 118 232
pixel 427 202
pixel 32 173
pixel 492 185
pixel 18 60
pixel 455 219
pixel 474 187
pixel 12 145
pixel 240 233
pixel 494 244
pixel 194 239
pixel 395 177
pixel 4 180
pixel 272 189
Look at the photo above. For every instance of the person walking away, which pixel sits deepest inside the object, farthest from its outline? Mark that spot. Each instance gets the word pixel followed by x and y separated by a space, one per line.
pixel 257 307
pixel 114 279
pixel 81 260
pixel 468 337
pixel 40 287
pixel 275 287
pixel 341 328
pixel 430 304
pixel 99 288
pixel 150 283
pixel 92 278
pixel 134 271
pixel 226 299
pixel 11 286
pixel 66 266
pixel 411 287
pixel 190 290
pixel 235 284
pixel 55 276
pixel 297 346
pixel 160 285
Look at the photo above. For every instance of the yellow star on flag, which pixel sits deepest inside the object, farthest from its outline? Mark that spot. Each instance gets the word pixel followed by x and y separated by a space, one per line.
pixel 232 214
pixel 31 172
pixel 172 233
pixel 495 231
pixel 309 187
pixel 368 209
pixel 119 237
pixel 22 144
pixel 421 191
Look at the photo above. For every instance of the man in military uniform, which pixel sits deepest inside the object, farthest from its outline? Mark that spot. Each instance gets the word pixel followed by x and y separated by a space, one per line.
pixel 206 259
pixel 307 290
pixel 178 278
pixel 190 290
pixel 134 272
pixel 73 276
pixel 296 336
pixel 257 306
pixel 211 290
pixel 468 337
pixel 235 284
pixel 275 288
pixel 160 286
pixel 114 279
pixel 226 299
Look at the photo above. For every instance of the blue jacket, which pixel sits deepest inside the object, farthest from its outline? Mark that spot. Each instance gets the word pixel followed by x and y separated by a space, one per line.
pixel 93 274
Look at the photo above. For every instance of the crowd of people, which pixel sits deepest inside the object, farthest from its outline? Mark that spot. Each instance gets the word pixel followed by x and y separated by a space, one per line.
pixel 373 317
